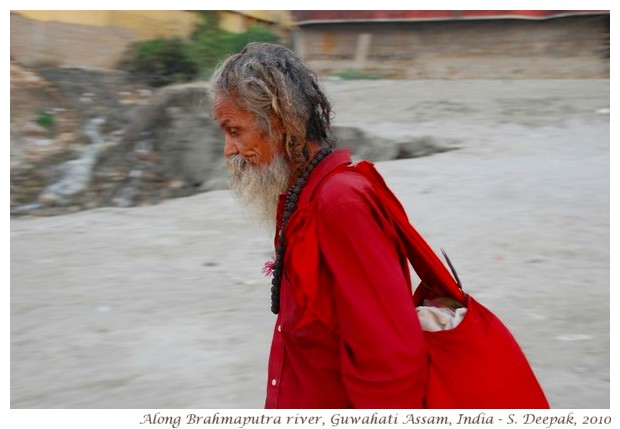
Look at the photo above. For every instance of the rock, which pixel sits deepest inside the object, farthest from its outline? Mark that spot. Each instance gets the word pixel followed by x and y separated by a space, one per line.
pixel 32 129
pixel 119 143
pixel 176 184
pixel 424 146
pixel 125 197
pixel 48 199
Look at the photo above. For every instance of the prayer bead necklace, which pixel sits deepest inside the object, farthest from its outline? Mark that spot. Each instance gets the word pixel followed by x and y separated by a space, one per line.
pixel 289 207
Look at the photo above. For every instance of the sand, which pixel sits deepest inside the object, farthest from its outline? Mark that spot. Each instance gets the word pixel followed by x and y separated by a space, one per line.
pixel 165 306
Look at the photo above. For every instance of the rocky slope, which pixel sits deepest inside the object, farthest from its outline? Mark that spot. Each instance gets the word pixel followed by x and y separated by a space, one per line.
pixel 107 139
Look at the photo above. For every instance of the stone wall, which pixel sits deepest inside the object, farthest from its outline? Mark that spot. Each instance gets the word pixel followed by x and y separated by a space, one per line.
pixel 569 47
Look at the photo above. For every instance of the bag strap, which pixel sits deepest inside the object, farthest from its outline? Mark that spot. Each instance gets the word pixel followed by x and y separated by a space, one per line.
pixel 427 265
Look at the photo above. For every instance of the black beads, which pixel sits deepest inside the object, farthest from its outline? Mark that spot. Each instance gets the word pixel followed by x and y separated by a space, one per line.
pixel 289 207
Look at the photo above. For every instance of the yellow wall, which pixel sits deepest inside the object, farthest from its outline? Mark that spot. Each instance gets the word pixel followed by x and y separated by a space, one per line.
pixel 99 38
pixel 85 17
pixel 145 23
pixel 232 22
pixel 156 23
pixel 239 20
pixel 160 23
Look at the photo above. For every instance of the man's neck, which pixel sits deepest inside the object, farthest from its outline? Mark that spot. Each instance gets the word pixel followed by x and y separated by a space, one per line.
pixel 312 146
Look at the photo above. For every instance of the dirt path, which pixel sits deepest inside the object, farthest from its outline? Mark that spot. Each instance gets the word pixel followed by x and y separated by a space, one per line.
pixel 165 307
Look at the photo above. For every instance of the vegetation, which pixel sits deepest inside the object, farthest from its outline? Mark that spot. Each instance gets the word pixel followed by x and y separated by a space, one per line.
pixel 46 120
pixel 165 61
pixel 356 74
pixel 160 61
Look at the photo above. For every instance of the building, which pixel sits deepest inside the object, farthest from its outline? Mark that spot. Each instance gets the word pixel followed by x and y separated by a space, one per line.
pixel 98 38
pixel 456 44
pixel 236 21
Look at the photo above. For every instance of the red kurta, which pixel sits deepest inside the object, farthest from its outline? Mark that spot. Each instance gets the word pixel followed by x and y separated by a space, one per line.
pixel 347 334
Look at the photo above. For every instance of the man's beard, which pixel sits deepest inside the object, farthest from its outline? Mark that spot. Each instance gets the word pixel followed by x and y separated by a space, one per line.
pixel 258 187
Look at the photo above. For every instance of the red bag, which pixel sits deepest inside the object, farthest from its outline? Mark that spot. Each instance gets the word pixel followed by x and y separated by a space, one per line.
pixel 478 364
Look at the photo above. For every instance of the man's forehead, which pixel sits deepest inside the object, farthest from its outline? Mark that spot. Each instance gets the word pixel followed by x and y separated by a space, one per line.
pixel 226 111
pixel 226 107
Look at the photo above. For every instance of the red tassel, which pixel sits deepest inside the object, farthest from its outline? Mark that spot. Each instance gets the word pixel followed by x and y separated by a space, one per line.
pixel 268 268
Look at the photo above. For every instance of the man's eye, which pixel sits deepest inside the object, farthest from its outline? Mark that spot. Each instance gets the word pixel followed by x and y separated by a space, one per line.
pixel 233 131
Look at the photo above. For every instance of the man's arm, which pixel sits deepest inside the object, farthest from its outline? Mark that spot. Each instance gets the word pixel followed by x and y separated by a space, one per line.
pixel 383 355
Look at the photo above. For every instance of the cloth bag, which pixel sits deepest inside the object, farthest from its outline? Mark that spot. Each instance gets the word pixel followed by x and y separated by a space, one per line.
pixel 478 364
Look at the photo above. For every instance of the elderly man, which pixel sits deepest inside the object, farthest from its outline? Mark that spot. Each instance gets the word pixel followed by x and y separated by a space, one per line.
pixel 347 334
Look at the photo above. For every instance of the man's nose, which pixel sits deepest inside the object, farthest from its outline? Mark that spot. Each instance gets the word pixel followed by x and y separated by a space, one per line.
pixel 229 147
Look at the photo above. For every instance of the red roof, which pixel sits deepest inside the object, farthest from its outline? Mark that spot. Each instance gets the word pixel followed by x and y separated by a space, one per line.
pixel 303 17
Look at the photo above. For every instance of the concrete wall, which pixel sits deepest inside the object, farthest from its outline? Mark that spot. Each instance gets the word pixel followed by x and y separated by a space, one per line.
pixel 98 38
pixel 146 24
pixel 237 21
pixel 570 47
pixel 36 43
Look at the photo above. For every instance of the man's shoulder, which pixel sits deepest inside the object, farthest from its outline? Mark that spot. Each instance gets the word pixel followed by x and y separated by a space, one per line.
pixel 343 186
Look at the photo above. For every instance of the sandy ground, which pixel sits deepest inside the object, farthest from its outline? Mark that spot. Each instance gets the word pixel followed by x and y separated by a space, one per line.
pixel 165 306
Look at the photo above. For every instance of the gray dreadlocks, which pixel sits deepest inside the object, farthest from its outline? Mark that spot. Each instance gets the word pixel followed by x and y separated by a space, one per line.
pixel 271 82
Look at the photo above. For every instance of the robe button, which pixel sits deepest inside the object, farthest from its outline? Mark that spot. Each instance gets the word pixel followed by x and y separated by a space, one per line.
pixel 273 382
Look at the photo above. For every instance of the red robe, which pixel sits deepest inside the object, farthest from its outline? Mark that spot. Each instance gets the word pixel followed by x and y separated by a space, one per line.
pixel 347 334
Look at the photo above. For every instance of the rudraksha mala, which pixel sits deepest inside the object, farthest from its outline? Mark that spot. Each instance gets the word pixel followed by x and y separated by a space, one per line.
pixel 289 208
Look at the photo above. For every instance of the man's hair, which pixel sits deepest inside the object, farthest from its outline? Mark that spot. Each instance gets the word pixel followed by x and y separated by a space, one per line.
pixel 271 82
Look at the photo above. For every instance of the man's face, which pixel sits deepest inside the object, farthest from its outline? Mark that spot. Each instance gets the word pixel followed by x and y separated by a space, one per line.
pixel 259 171
pixel 242 135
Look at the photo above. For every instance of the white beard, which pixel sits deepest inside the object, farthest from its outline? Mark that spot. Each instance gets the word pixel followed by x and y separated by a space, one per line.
pixel 258 187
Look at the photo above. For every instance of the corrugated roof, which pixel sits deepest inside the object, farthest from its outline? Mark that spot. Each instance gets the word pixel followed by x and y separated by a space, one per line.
pixel 306 17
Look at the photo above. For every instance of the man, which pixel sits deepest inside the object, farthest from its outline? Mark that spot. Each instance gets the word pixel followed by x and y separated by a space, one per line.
pixel 347 334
